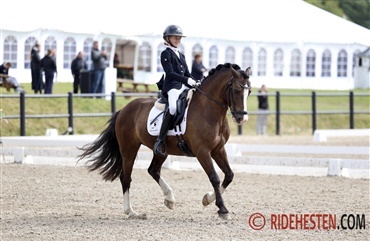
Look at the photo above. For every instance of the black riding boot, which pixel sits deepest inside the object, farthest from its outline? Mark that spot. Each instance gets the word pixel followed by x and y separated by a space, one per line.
pixel 160 143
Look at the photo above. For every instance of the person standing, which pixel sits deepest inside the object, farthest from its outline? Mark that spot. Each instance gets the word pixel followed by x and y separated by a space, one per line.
pixel 49 68
pixel 178 78
pixel 77 66
pixel 197 69
pixel 263 107
pixel 37 84
pixel 116 63
pixel 98 58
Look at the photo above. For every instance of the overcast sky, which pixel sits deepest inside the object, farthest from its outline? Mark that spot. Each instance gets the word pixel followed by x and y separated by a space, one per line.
pixel 253 20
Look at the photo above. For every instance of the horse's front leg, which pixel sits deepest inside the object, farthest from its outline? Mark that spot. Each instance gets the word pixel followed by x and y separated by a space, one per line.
pixel 205 160
pixel 155 171
pixel 220 157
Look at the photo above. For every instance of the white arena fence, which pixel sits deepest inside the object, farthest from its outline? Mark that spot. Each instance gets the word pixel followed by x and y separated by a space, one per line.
pixel 270 159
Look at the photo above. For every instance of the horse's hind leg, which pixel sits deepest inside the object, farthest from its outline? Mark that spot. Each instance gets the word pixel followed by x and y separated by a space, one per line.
pixel 126 197
pixel 128 153
pixel 155 171
pixel 220 158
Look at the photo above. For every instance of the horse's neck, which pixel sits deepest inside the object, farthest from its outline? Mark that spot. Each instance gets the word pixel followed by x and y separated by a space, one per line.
pixel 215 86
pixel 213 102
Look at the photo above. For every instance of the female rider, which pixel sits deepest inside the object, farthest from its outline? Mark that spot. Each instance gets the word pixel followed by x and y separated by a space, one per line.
pixel 178 78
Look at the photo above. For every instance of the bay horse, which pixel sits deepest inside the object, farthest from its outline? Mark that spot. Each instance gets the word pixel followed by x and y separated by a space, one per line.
pixel 113 153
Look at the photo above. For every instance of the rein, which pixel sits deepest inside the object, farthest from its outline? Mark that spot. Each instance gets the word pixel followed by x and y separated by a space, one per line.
pixel 203 93
pixel 230 88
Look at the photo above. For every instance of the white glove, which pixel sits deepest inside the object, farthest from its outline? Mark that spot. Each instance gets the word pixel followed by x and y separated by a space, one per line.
pixel 192 82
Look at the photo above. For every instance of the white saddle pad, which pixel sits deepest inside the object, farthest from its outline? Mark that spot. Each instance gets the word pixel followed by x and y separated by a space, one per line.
pixel 154 127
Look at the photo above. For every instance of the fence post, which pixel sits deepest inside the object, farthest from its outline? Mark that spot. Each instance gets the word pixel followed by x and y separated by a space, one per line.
pixel 70 113
pixel 277 113
pixel 113 102
pixel 313 111
pixel 240 130
pixel 22 105
pixel 351 111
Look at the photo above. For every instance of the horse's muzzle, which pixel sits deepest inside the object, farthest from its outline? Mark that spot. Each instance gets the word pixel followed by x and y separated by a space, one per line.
pixel 240 119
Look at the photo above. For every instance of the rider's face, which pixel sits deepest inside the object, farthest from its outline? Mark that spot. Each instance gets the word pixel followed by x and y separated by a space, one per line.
pixel 175 40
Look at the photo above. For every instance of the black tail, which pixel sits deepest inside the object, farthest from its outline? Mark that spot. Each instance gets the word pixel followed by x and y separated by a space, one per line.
pixel 108 158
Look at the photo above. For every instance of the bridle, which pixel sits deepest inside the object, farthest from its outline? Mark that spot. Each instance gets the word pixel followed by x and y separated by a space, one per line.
pixel 230 89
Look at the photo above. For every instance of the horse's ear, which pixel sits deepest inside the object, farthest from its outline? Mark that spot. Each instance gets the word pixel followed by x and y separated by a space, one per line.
pixel 235 73
pixel 248 71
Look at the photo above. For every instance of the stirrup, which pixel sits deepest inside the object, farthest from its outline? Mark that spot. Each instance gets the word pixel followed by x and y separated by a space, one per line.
pixel 157 149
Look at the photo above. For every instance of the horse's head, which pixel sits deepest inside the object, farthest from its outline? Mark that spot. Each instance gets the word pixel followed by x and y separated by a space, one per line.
pixel 229 87
pixel 237 91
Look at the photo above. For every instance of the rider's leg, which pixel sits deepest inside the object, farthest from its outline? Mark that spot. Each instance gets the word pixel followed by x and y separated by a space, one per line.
pixel 160 145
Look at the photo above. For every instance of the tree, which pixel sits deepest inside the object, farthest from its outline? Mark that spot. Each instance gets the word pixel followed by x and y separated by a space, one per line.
pixel 357 11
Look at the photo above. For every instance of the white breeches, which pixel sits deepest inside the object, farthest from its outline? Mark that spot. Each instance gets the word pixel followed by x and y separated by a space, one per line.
pixel 173 96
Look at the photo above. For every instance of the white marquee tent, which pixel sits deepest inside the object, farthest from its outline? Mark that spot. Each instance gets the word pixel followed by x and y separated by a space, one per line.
pixel 286 24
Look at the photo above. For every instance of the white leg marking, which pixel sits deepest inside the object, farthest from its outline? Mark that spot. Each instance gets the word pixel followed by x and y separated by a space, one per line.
pixel 210 197
pixel 169 199
pixel 127 205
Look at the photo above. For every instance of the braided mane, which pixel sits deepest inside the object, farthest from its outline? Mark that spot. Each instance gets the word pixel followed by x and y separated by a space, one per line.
pixel 226 66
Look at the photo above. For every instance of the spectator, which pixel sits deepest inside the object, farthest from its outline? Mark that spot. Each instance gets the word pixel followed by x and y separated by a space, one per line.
pixel 77 66
pixel 263 107
pixel 53 55
pixel 116 62
pixel 37 84
pixel 49 68
pixel 197 68
pixel 4 69
pixel 98 58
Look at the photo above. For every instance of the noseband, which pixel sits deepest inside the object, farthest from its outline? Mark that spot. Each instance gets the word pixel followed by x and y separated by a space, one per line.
pixel 230 89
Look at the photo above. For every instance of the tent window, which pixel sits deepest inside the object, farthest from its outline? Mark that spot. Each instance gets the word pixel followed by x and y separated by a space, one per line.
pixel 360 62
pixel 342 64
pixel 50 43
pixel 145 53
pixel 310 63
pixel 262 59
pixel 107 46
pixel 69 52
pixel 230 55
pixel 161 47
pixel 213 57
pixel 295 63
pixel 10 51
pixel 278 62
pixel 197 49
pixel 247 58
pixel 88 45
pixel 28 45
pixel 325 65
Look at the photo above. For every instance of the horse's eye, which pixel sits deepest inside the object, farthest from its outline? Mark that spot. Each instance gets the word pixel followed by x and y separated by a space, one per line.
pixel 236 91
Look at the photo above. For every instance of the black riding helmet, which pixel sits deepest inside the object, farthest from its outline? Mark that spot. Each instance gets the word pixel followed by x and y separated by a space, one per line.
pixel 172 30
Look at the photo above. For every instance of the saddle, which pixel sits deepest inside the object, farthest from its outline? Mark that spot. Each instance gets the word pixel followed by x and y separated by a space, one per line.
pixel 182 103
pixel 181 106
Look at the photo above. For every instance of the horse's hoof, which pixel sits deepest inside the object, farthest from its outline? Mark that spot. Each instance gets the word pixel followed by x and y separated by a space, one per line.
pixel 169 204
pixel 205 201
pixel 224 216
